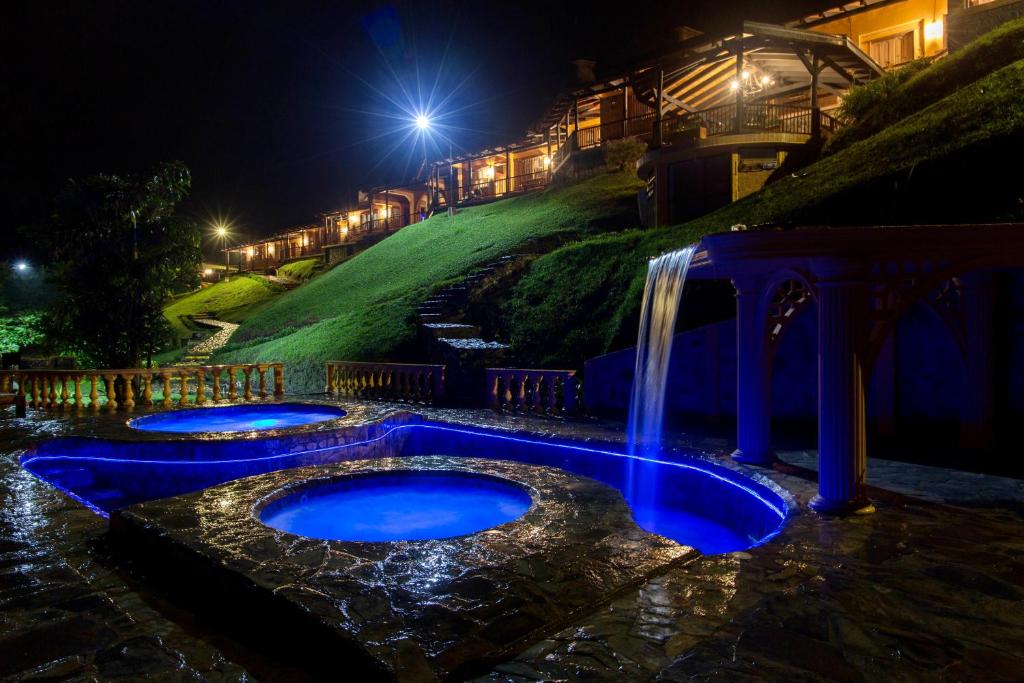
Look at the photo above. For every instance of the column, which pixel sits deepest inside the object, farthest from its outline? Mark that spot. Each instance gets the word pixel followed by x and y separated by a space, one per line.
pixel 977 292
pixel 842 444
pixel 753 376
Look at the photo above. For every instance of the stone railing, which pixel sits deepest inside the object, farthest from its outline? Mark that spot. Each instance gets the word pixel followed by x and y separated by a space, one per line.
pixel 540 392
pixel 386 381
pixel 165 387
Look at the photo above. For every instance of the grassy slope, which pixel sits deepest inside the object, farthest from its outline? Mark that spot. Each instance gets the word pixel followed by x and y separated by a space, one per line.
pixel 299 270
pixel 363 308
pixel 231 301
pixel 990 52
pixel 601 280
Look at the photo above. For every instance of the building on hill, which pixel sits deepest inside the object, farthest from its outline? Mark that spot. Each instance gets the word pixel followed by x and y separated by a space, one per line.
pixel 718 115
pixel 378 212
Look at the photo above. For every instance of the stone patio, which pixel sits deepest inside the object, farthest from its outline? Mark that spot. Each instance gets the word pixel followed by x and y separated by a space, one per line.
pixel 920 590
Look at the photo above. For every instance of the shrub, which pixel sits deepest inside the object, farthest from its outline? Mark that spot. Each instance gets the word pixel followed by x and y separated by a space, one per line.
pixel 865 98
pixel 624 154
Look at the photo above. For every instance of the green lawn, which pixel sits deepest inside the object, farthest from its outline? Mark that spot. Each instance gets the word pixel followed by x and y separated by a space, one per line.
pixel 363 308
pixel 300 271
pixel 231 301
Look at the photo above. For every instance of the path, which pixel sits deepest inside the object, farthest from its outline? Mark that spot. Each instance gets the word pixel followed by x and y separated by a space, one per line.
pixel 201 352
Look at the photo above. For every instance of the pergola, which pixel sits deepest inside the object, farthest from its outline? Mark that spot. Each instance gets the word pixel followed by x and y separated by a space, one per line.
pixel 760 63
pixel 862 279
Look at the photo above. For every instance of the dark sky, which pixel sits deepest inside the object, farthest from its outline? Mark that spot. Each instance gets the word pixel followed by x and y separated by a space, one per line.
pixel 283 109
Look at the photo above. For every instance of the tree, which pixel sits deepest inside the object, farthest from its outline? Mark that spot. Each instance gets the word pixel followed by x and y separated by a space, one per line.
pixel 119 247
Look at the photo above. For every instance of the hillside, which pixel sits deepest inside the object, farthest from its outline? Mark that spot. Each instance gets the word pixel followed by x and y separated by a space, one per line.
pixel 363 308
pixel 944 162
pixel 231 301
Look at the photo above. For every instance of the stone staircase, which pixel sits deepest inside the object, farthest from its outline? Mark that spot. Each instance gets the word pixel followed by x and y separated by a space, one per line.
pixel 447 337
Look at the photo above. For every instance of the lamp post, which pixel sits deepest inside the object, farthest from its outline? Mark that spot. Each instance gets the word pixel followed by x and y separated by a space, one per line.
pixel 222 233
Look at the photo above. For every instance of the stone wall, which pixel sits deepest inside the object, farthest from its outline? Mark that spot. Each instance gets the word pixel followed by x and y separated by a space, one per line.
pixel 964 24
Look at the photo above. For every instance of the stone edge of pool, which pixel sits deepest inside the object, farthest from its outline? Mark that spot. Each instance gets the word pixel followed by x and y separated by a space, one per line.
pixel 460 604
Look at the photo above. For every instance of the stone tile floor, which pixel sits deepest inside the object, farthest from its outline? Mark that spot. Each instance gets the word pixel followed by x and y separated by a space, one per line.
pixel 921 590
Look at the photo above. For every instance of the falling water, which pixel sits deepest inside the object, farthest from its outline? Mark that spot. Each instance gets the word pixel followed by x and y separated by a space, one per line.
pixel 666 276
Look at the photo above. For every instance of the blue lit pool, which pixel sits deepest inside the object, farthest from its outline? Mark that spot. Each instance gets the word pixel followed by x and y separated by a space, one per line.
pixel 684 498
pixel 403 505
pixel 243 418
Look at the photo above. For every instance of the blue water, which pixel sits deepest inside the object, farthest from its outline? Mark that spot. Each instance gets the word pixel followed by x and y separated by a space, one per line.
pixel 244 418
pixel 695 503
pixel 398 506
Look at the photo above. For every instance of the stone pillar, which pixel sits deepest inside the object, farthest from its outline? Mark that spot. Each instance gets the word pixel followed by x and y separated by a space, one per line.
pixel 977 291
pixel 842 445
pixel 753 376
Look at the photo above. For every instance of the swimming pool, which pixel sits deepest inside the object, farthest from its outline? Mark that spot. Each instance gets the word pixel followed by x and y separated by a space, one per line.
pixel 241 418
pixel 399 505
pixel 684 498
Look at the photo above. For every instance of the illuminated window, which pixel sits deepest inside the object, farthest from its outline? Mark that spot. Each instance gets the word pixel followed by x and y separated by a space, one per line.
pixel 892 50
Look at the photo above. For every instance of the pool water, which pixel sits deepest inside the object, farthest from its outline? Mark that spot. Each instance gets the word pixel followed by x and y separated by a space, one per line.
pixel 243 418
pixel 398 506
pixel 684 498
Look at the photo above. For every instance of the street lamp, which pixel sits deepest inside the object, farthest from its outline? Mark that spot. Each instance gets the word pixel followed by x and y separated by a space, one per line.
pixel 222 233
pixel 21 266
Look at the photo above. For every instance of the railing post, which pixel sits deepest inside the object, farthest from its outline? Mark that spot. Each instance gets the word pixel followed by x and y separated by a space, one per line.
pixel 94 392
pixel 278 380
pixel 262 369
pixel 200 387
pixel 183 389
pixel 166 380
pixel 215 371
pixel 147 390
pixel 569 393
pixel 247 372
pixel 129 392
pixel 232 383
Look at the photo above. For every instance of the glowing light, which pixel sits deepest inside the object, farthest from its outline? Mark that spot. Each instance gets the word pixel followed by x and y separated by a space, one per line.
pixel 933 30
pixel 208 271
pixel 547 161
pixel 765 81
pixel 746 74
pixel 422 122
pixel 222 231
pixel 734 85
pixel 21 266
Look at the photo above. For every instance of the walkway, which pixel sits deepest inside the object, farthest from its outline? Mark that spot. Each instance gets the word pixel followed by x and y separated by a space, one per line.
pixel 201 352
pixel 921 590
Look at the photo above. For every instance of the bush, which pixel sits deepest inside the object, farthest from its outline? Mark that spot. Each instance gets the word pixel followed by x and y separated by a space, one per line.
pixel 624 154
pixel 862 99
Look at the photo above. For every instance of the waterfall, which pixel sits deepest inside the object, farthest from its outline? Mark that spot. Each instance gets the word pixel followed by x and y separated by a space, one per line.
pixel 666 276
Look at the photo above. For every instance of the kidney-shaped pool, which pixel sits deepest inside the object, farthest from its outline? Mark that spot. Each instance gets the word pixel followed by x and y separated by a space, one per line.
pixel 685 498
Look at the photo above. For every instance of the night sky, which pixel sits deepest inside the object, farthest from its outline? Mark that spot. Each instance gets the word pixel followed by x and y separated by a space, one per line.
pixel 282 110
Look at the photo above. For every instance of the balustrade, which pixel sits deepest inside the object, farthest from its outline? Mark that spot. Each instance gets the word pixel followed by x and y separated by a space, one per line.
pixel 406 382
pixel 114 389
pixel 542 392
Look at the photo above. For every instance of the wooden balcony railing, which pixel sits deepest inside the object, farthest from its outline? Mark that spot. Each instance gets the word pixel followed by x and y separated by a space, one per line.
pixel 406 382
pixel 128 388
pixel 758 117
pixel 485 189
pixel 641 127
pixel 544 392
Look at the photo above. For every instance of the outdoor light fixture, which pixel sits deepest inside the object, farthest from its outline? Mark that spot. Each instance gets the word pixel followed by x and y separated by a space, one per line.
pixel 208 271
pixel 547 161
pixel 21 266
pixel 933 30
pixel 734 85
pixel 222 231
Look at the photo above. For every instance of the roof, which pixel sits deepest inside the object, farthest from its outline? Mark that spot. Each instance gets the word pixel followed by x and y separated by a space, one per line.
pixel 699 73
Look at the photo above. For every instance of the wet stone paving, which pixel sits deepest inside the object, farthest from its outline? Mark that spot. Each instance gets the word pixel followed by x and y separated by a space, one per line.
pixel 921 590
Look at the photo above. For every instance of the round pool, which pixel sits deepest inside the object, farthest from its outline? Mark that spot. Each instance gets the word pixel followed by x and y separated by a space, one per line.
pixel 402 505
pixel 243 418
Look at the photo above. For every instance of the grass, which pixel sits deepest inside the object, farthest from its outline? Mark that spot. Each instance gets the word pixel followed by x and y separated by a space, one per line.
pixel 363 308
pixel 300 271
pixel 232 301
pixel 990 52
pixel 943 163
